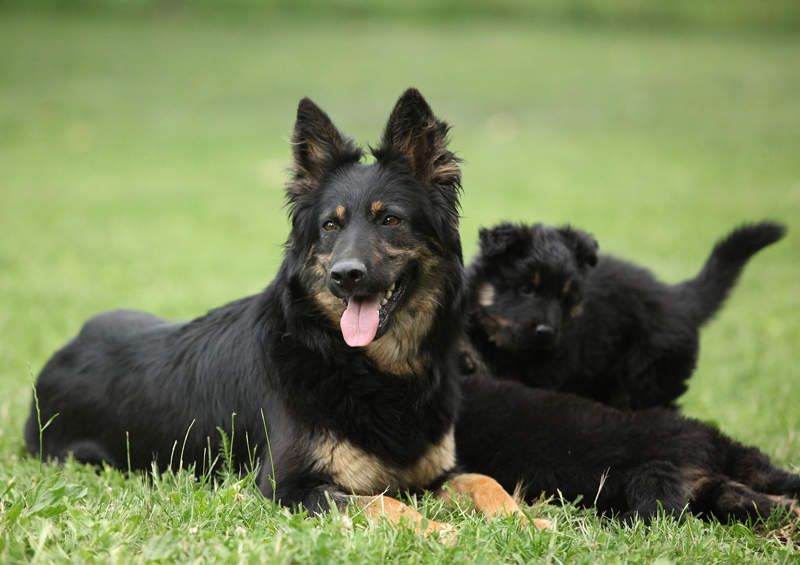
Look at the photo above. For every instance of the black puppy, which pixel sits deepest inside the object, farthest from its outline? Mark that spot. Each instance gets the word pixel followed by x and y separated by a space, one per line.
pixel 342 360
pixel 545 309
pixel 631 462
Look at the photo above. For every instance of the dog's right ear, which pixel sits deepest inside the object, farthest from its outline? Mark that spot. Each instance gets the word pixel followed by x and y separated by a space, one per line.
pixel 498 240
pixel 582 244
pixel 317 146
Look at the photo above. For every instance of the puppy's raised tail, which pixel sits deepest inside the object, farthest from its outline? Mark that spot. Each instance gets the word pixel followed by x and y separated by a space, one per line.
pixel 704 294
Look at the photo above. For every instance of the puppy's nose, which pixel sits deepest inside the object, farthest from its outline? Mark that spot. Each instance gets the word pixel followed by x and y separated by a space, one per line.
pixel 348 274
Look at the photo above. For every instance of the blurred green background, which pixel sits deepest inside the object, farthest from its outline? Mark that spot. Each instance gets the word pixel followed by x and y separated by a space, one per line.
pixel 144 145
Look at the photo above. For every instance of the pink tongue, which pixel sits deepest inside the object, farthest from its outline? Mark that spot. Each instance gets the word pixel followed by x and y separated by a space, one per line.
pixel 360 320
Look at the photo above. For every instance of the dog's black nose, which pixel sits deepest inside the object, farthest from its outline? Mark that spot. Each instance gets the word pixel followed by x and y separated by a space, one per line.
pixel 348 274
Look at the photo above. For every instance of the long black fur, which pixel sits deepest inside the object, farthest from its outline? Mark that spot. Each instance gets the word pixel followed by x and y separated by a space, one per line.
pixel 626 463
pixel 547 310
pixel 132 388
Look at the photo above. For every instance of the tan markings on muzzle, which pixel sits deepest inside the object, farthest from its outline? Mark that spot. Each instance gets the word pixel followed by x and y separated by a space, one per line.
pixel 499 330
pixel 576 310
pixel 397 351
pixel 500 322
pixel 316 267
pixel 486 294
pixel 392 252
pixel 364 473
pixel 376 207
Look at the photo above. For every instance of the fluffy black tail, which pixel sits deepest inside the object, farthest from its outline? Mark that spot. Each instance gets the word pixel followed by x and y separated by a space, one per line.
pixel 705 293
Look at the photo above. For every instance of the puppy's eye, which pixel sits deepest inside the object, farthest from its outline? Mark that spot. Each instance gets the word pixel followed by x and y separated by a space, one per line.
pixel 391 221
pixel 330 225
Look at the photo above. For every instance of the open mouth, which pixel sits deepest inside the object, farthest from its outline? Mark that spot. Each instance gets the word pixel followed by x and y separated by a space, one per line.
pixel 365 317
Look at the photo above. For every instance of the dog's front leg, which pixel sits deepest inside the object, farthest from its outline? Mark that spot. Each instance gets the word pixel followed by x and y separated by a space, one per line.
pixel 323 497
pixel 488 496
pixel 377 507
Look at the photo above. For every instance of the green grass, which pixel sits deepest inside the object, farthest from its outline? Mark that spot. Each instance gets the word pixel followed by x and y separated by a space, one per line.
pixel 141 166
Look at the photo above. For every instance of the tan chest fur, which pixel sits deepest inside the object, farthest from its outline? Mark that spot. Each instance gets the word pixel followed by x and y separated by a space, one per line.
pixel 364 473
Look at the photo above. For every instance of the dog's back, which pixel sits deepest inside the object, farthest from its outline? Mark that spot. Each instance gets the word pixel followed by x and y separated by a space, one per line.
pixel 159 382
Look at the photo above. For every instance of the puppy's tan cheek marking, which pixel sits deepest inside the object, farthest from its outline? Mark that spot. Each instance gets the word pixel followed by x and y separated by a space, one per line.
pixel 486 294
pixel 340 211
pixel 376 207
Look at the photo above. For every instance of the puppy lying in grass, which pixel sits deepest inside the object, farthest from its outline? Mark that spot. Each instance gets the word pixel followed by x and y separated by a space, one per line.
pixel 547 310
pixel 626 463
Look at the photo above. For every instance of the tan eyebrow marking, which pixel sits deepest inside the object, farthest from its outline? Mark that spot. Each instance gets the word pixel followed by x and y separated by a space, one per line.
pixel 376 206
pixel 486 294
pixel 340 212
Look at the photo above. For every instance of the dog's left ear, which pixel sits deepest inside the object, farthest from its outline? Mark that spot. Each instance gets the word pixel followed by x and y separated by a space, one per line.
pixel 317 147
pixel 415 135
pixel 582 243
pixel 502 238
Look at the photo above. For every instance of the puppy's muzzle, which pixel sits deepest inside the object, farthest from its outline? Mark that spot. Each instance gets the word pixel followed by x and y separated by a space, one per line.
pixel 544 335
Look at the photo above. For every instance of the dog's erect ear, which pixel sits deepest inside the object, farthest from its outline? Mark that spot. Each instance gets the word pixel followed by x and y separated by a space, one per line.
pixel 583 245
pixel 498 240
pixel 317 146
pixel 414 134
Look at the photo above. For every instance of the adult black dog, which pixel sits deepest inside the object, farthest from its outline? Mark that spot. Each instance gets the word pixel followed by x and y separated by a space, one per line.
pixel 545 309
pixel 342 359
pixel 628 463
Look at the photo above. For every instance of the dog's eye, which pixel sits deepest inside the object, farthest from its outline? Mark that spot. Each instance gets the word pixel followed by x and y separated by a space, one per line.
pixel 330 225
pixel 391 221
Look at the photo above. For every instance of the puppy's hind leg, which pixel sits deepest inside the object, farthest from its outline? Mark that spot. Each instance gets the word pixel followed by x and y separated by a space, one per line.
pixel 488 496
pixel 750 466
pixel 731 500
pixel 652 487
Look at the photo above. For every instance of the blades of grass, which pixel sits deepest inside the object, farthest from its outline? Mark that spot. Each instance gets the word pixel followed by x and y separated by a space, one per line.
pixel 269 452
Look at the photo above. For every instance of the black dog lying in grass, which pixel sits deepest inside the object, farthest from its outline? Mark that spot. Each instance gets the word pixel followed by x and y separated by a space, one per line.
pixel 632 462
pixel 545 309
pixel 343 359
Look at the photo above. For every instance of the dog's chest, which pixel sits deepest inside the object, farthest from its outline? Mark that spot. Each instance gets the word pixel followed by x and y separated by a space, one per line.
pixel 364 473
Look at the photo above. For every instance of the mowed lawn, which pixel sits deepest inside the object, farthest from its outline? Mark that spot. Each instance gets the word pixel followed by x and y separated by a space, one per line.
pixel 142 162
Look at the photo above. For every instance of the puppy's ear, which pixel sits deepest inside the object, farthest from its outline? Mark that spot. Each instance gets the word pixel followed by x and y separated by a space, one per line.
pixel 416 136
pixel 582 244
pixel 498 240
pixel 317 147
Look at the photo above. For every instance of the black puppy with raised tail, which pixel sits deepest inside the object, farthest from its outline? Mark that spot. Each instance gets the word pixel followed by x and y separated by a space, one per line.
pixel 343 360
pixel 547 310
